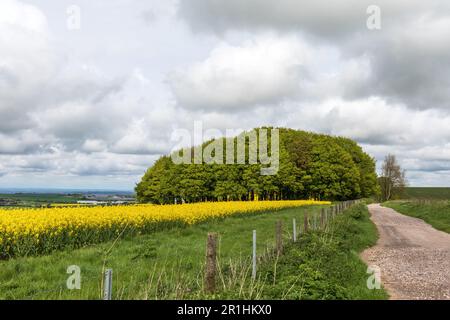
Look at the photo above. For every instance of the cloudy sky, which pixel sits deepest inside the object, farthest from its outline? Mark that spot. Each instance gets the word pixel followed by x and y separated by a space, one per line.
pixel 92 91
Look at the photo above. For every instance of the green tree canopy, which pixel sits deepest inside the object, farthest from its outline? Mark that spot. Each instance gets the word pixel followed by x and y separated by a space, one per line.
pixel 311 166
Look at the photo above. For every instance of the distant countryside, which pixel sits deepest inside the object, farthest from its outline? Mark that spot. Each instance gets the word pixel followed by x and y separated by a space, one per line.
pixel 38 199
pixel 427 193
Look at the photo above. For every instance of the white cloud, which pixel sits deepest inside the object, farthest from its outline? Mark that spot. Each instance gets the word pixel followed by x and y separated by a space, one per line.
pixel 408 57
pixel 26 62
pixel 93 145
pixel 260 72
pixel 139 139
pixel 63 116
pixel 418 137
pixel 102 102
pixel 24 16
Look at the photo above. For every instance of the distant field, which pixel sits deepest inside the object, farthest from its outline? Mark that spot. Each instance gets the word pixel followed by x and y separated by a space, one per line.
pixel 436 213
pixel 42 197
pixel 428 193
pixel 37 199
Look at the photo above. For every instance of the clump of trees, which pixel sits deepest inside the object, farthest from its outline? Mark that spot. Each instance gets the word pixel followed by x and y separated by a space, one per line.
pixel 392 180
pixel 311 166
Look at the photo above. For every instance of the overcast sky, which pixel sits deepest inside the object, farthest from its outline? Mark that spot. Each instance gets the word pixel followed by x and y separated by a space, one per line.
pixel 92 105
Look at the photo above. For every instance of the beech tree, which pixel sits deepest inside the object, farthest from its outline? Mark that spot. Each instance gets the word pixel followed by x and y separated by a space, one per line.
pixel 311 166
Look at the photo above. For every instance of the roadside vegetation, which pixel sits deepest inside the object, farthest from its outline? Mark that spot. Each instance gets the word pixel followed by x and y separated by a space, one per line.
pixel 434 212
pixel 326 265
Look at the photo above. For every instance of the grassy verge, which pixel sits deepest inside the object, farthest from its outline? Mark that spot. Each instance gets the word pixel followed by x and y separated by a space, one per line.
pixel 436 213
pixel 326 265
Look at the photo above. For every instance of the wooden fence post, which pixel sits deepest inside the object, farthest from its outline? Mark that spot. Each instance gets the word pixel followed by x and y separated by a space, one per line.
pixel 305 223
pixel 279 237
pixel 314 221
pixel 322 218
pixel 210 276
pixel 254 256
pixel 294 230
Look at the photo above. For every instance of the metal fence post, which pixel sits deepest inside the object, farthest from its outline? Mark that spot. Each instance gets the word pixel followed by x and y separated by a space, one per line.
pixel 107 285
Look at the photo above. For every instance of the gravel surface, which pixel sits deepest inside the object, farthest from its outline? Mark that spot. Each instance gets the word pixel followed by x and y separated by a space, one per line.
pixel 413 257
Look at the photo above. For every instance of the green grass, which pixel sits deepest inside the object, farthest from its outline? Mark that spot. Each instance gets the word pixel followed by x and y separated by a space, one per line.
pixel 436 213
pixel 169 264
pixel 171 253
pixel 326 265
pixel 427 193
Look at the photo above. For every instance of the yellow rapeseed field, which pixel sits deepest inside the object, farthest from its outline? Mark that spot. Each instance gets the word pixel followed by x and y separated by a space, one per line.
pixel 37 231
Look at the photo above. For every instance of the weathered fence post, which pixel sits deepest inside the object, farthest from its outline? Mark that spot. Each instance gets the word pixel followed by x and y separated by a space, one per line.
pixel 107 285
pixel 279 237
pixel 254 256
pixel 210 276
pixel 294 230
pixel 305 223
pixel 322 218
pixel 315 221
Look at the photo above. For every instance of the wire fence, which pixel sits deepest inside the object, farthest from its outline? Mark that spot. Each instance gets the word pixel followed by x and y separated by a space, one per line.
pixel 318 221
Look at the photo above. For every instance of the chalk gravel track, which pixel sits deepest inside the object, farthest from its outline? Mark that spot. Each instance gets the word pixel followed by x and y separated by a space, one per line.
pixel 413 257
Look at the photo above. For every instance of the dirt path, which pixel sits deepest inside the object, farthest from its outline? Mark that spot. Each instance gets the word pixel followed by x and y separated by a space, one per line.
pixel 414 258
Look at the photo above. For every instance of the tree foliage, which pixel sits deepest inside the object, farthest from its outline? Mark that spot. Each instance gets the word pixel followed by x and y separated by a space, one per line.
pixel 393 179
pixel 311 166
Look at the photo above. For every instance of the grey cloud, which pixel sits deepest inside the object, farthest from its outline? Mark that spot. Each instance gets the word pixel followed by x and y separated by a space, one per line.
pixel 409 57
pixel 149 16
pixel 310 65
pixel 431 167
pixel 321 17
pixel 7 78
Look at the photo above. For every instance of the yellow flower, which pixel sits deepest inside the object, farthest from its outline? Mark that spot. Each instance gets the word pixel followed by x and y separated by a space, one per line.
pixel 83 224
